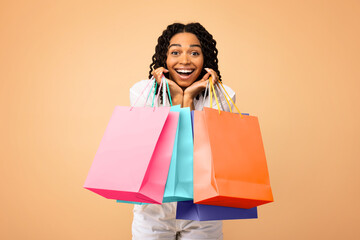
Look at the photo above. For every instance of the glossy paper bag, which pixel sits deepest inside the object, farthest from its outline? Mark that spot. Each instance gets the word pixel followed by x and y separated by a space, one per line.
pixel 133 158
pixel 230 167
pixel 179 185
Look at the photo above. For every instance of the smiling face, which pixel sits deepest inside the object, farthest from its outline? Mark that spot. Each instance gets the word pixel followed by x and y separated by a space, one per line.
pixel 185 59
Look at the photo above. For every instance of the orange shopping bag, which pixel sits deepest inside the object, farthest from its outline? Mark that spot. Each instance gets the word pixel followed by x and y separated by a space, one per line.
pixel 230 167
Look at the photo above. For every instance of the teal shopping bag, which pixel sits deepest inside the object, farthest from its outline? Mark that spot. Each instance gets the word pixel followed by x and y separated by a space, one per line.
pixel 179 184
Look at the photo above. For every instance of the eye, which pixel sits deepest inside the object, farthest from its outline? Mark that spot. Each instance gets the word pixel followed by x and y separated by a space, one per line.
pixel 195 53
pixel 175 53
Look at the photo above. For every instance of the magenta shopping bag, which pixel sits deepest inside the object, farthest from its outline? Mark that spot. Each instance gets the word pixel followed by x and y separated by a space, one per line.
pixel 133 159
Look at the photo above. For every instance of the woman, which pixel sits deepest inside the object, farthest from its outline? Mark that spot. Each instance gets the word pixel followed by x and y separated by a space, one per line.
pixel 187 56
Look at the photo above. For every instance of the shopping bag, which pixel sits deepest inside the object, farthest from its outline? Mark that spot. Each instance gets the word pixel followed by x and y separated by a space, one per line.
pixel 198 212
pixel 190 211
pixel 230 166
pixel 133 158
pixel 192 123
pixel 179 185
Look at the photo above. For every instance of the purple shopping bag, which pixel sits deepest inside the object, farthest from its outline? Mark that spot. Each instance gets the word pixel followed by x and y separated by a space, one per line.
pixel 190 211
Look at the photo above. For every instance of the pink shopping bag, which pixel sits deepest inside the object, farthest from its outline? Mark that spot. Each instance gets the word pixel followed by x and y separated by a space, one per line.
pixel 133 159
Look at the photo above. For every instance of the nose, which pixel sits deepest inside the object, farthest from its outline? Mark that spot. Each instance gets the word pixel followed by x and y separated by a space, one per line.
pixel 185 59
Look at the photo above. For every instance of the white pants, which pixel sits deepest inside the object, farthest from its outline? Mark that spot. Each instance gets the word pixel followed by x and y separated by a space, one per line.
pixel 155 221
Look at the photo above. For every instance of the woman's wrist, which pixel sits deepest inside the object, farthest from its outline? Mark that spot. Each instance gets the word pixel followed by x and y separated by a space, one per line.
pixel 177 99
pixel 188 101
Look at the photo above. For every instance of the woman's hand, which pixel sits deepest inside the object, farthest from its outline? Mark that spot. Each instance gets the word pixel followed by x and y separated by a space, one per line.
pixel 185 98
pixel 194 89
pixel 176 91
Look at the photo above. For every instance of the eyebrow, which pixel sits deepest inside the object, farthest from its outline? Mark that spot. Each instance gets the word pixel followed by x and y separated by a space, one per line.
pixel 179 45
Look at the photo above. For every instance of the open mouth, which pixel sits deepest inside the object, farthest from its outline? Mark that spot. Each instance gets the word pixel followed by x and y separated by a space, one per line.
pixel 184 72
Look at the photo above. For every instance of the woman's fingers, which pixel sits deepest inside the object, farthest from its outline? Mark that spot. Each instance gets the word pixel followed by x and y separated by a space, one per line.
pixel 206 77
pixel 204 81
pixel 157 73
pixel 213 74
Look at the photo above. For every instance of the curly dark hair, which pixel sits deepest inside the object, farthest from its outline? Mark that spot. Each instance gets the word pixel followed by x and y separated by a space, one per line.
pixel 207 42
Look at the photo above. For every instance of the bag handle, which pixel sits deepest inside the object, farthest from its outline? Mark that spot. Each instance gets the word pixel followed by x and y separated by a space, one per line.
pixel 142 92
pixel 152 87
pixel 212 90
pixel 206 93
pixel 226 95
pixel 157 97
pixel 229 98
pixel 206 90
pixel 217 87
pixel 168 89
pixel 165 85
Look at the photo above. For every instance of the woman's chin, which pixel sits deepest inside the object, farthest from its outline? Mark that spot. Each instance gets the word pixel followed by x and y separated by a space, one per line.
pixel 184 83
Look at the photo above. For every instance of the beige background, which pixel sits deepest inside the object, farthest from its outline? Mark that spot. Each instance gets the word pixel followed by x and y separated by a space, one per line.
pixel 64 65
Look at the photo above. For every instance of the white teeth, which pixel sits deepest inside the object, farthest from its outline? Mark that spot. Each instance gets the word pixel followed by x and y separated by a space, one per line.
pixel 184 71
